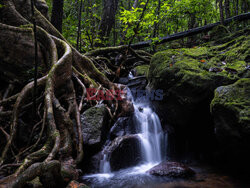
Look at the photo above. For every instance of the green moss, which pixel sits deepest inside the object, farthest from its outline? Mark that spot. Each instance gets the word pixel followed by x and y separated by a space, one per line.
pixel 142 70
pixel 196 52
pixel 234 98
pixel 95 112
pixel 193 65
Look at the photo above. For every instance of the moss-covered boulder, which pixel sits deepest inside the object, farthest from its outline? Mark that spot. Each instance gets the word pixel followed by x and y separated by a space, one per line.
pixel 188 78
pixel 95 123
pixel 231 110
pixel 141 70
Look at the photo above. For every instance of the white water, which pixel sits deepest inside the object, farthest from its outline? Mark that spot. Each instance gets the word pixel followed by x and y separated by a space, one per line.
pixel 152 145
pixel 151 136
pixel 151 133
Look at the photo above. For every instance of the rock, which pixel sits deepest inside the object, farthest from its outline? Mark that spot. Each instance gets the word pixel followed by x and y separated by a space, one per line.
pixel 137 83
pixel 188 87
pixel 231 110
pixel 95 126
pixel 123 126
pixel 124 152
pixel 126 108
pixel 141 70
pixel 171 169
pixel 184 74
pixel 123 80
pixel 75 184
pixel 94 164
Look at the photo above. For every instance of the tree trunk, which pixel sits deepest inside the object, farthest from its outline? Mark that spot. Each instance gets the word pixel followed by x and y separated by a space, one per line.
pixel 79 26
pixel 221 12
pixel 246 5
pixel 135 4
pixel 108 17
pixel 236 7
pixel 57 14
pixel 227 8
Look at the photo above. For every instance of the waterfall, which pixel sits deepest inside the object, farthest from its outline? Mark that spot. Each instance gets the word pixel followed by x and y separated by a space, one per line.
pixel 149 131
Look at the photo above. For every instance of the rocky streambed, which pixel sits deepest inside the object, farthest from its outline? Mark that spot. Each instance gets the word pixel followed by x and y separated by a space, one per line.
pixel 205 112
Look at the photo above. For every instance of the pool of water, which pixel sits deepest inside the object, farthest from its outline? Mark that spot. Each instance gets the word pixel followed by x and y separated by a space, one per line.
pixel 136 177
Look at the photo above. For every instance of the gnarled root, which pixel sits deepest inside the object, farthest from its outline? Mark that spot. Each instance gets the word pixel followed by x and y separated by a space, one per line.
pixel 58 147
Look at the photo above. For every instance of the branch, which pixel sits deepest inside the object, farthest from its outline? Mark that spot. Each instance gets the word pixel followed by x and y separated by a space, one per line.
pixel 190 32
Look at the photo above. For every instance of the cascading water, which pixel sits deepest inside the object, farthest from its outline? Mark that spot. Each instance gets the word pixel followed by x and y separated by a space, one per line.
pixel 150 132
pixel 152 145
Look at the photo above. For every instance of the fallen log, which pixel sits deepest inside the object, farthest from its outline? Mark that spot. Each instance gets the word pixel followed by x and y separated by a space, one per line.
pixel 190 32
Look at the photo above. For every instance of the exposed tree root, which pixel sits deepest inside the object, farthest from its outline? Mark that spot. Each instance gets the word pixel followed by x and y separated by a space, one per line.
pixel 58 147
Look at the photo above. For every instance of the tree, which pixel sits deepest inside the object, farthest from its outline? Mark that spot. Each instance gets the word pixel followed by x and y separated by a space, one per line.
pixel 57 14
pixel 221 12
pixel 58 144
pixel 108 17
pixel 227 8
pixel 79 26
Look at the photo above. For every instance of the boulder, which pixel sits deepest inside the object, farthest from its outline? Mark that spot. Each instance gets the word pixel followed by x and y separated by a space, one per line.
pixel 95 121
pixel 141 70
pixel 123 126
pixel 124 152
pixel 137 83
pixel 188 78
pixel 172 169
pixel 231 111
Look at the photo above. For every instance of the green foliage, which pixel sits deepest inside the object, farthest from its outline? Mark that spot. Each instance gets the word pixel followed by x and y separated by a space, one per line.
pixel 161 18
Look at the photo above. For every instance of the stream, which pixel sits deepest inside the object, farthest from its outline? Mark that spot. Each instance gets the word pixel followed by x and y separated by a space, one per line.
pixel 153 150
pixel 152 144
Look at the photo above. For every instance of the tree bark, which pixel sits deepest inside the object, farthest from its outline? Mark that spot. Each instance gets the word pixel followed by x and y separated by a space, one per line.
pixel 108 17
pixel 79 26
pixel 135 4
pixel 227 8
pixel 57 14
pixel 221 12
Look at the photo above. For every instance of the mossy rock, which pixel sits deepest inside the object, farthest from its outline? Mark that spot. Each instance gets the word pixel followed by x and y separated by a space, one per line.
pixel 95 123
pixel 141 70
pixel 231 111
pixel 188 76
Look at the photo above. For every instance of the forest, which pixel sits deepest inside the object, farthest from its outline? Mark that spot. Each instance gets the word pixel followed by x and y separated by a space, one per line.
pixel 115 93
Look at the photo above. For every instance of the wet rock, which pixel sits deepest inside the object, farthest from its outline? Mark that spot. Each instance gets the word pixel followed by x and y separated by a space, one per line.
pixel 124 152
pixel 123 80
pixel 123 126
pixel 172 169
pixel 94 164
pixel 95 126
pixel 126 108
pixel 230 109
pixel 137 83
